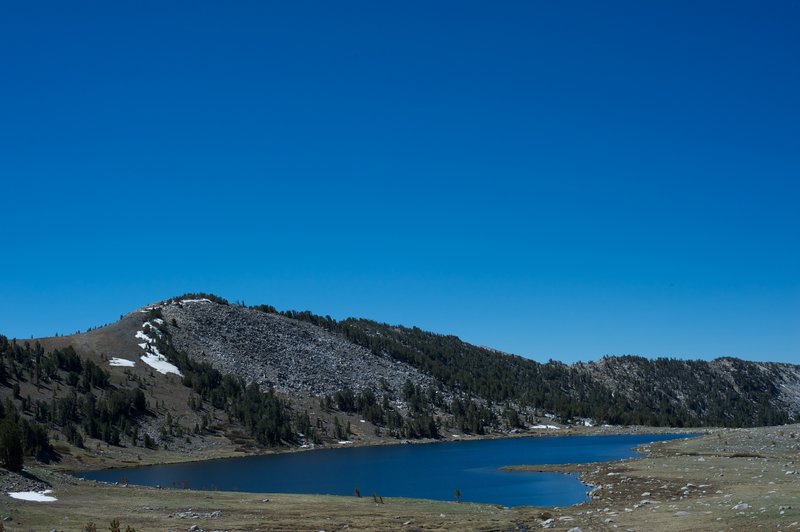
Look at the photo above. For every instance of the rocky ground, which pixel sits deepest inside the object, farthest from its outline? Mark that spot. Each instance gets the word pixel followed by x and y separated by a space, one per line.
pixel 23 481
pixel 733 479
pixel 294 357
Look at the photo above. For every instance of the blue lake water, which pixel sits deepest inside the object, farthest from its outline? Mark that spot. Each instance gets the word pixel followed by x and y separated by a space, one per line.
pixel 431 471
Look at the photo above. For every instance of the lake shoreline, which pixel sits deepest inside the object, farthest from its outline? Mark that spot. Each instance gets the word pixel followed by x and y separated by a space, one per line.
pixel 733 479
pixel 74 468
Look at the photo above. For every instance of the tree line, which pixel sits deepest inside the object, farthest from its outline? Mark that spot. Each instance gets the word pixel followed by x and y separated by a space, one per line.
pixel 663 391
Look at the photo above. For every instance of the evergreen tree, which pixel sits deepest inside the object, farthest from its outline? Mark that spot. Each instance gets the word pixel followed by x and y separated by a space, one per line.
pixel 11 451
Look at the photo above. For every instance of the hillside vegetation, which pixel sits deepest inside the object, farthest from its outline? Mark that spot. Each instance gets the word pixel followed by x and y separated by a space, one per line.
pixel 618 390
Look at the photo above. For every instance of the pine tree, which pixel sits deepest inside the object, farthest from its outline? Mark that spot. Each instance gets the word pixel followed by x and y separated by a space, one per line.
pixel 11 451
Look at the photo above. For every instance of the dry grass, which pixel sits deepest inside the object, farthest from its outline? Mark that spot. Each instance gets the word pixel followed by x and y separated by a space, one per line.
pixel 151 509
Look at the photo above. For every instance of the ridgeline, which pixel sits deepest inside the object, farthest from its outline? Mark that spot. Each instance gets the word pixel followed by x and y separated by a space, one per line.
pixel 195 369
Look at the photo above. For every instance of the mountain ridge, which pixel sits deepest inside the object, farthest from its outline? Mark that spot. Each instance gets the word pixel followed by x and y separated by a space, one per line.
pixel 196 368
pixel 451 363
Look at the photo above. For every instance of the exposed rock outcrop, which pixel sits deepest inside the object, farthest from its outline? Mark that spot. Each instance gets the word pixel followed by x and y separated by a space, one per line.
pixel 294 357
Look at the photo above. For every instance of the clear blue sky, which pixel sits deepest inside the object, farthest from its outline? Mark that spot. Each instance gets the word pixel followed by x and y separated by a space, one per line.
pixel 555 179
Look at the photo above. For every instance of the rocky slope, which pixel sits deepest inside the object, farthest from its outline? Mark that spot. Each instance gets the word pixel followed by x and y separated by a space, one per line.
pixel 291 356
pixel 300 354
pixel 734 391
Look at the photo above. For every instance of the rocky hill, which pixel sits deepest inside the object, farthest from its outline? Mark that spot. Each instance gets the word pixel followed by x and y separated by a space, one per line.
pixel 196 372
pixel 752 393
pixel 300 354
pixel 619 390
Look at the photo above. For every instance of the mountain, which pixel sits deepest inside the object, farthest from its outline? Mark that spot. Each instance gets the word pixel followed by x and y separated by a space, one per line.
pixel 195 373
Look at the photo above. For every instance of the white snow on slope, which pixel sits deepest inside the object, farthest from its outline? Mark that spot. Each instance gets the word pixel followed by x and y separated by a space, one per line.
pixel 549 427
pixel 36 496
pixel 152 327
pixel 154 358
pixel 121 362
pixel 204 300
pixel 142 336
pixel 160 364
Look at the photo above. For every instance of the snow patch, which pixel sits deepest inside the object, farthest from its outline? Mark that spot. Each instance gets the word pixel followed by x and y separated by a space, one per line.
pixel 121 362
pixel 152 328
pixel 153 357
pixel 343 442
pixel 142 336
pixel 35 496
pixel 203 300
pixel 548 427
pixel 160 364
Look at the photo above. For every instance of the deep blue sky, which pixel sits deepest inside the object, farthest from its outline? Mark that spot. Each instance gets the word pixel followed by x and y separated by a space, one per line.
pixel 555 179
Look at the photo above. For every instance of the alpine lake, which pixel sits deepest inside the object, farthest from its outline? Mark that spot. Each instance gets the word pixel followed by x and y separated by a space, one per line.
pixel 427 471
